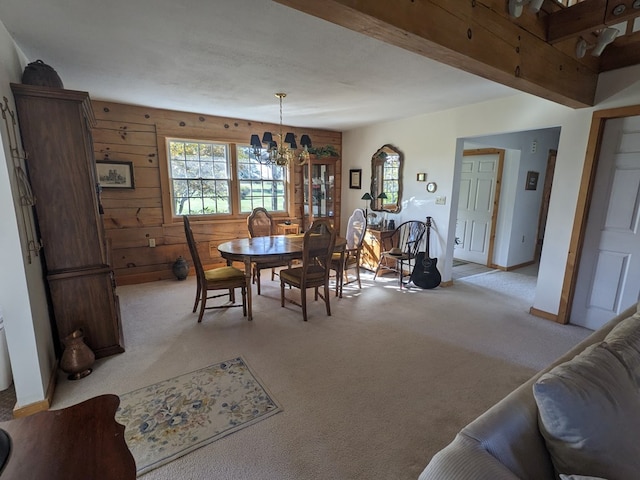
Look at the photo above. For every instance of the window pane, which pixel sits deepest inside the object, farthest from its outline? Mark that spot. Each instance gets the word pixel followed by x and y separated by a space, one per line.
pixel 200 177
pixel 260 185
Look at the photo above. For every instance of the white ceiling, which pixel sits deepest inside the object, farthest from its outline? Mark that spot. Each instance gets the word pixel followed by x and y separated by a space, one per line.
pixel 229 57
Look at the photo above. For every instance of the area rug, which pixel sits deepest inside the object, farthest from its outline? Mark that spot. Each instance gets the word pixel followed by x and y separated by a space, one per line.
pixel 172 418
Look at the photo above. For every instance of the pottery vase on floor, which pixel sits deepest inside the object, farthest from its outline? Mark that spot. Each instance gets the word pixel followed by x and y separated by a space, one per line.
pixel 77 358
pixel 180 268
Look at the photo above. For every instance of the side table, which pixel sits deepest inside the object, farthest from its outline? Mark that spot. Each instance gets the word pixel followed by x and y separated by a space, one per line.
pixel 288 229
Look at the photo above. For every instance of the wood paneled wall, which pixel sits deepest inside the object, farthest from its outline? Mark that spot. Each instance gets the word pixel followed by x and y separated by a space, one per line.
pixel 132 217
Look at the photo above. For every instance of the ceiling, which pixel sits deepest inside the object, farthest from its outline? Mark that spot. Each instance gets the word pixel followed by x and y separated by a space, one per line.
pixel 342 63
pixel 229 58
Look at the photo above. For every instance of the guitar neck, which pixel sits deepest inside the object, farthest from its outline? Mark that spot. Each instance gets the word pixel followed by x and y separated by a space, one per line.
pixel 428 236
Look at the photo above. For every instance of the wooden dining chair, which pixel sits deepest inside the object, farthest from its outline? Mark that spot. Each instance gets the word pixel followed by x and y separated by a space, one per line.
pixel 221 278
pixel 350 258
pixel 260 224
pixel 405 242
pixel 318 244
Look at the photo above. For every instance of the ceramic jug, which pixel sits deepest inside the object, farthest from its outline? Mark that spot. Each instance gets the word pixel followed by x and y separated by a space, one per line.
pixel 77 358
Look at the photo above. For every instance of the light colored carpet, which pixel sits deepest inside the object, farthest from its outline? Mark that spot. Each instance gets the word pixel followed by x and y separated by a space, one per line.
pixel 371 392
pixel 171 418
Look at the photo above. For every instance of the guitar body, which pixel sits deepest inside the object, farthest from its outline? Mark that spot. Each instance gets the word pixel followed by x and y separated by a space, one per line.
pixel 425 271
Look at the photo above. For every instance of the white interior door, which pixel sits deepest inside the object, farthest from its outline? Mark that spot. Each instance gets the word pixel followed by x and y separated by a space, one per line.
pixel 475 207
pixel 609 272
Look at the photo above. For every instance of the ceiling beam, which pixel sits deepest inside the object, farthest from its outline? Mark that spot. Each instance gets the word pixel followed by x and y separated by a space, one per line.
pixel 477 36
pixel 588 16
pixel 615 56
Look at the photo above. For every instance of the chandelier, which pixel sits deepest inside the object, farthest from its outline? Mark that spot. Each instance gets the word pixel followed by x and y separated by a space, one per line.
pixel 283 152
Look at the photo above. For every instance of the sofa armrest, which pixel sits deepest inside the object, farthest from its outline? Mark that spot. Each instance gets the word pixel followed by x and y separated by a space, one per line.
pixel 465 459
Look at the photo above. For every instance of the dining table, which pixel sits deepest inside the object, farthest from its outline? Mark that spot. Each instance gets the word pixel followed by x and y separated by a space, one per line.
pixel 267 249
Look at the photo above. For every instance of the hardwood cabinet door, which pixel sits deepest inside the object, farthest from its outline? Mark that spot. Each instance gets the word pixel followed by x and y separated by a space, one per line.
pixel 375 242
pixel 55 130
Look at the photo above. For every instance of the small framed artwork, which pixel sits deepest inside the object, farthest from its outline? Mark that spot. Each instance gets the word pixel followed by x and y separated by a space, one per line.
pixel 532 180
pixel 421 177
pixel 355 178
pixel 115 174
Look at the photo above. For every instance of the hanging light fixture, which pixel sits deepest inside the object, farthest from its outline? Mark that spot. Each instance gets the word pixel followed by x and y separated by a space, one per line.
pixel 283 153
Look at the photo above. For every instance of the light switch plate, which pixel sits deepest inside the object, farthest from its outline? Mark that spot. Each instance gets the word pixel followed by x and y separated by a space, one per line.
pixel 441 200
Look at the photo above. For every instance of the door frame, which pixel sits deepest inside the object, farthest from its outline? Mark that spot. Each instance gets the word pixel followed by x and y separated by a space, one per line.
pixel 544 204
pixel 496 195
pixel 585 195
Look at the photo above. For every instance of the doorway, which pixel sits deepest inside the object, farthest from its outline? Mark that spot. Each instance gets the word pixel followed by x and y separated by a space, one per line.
pixel 576 246
pixel 478 202
pixel 608 280
pixel 520 214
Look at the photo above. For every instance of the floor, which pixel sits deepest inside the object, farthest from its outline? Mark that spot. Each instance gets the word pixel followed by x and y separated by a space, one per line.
pixel 461 269
pixel 7 402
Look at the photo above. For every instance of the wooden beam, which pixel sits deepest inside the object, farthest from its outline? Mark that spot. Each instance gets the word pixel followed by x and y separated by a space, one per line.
pixel 587 17
pixel 476 36
pixel 576 20
pixel 615 56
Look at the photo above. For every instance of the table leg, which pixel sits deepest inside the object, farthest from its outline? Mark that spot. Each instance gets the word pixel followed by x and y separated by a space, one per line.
pixel 247 274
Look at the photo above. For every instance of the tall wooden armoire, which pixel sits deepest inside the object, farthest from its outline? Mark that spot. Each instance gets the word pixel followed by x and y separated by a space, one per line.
pixel 55 125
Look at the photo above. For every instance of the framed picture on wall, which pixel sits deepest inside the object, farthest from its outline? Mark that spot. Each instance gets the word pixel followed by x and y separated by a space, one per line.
pixel 355 178
pixel 115 174
pixel 532 180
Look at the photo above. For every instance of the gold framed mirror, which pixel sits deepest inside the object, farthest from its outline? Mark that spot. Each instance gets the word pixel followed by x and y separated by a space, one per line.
pixel 386 179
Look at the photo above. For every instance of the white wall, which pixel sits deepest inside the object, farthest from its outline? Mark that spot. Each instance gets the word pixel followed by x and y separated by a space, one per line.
pixel 22 290
pixel 430 142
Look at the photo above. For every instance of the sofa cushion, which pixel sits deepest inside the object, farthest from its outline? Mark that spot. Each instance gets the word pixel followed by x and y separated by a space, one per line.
pixel 589 415
pixel 624 342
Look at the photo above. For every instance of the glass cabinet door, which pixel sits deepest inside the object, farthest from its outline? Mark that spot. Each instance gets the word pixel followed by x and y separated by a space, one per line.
pixel 319 190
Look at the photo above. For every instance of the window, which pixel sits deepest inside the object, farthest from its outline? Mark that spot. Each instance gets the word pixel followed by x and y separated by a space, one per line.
pixel 202 183
pixel 200 180
pixel 260 185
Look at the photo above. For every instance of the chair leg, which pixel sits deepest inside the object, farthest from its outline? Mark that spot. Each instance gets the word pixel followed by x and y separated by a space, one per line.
pixel 303 297
pixel 244 300
pixel 258 279
pixel 326 299
pixel 203 303
pixel 198 289
pixel 273 274
pixel 232 295
pixel 358 276
pixel 281 292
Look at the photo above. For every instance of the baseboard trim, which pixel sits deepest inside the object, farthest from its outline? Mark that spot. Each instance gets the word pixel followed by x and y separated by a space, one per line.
pixel 542 314
pixel 513 267
pixel 42 405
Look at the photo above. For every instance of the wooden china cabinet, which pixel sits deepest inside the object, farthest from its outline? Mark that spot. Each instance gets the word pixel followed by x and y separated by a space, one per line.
pixel 55 125
pixel 321 190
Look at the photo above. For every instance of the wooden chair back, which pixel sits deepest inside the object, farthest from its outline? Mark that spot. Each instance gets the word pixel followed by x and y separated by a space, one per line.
pixel 318 244
pixel 260 223
pixel 408 236
pixel 193 249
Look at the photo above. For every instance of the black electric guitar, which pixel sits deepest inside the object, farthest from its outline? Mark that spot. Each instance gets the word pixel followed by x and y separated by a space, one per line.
pixel 425 272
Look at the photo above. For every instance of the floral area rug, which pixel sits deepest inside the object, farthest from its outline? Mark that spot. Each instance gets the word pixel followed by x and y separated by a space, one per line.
pixel 169 419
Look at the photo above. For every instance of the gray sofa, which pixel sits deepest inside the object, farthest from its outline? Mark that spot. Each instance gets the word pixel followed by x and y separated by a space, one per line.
pixel 507 442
